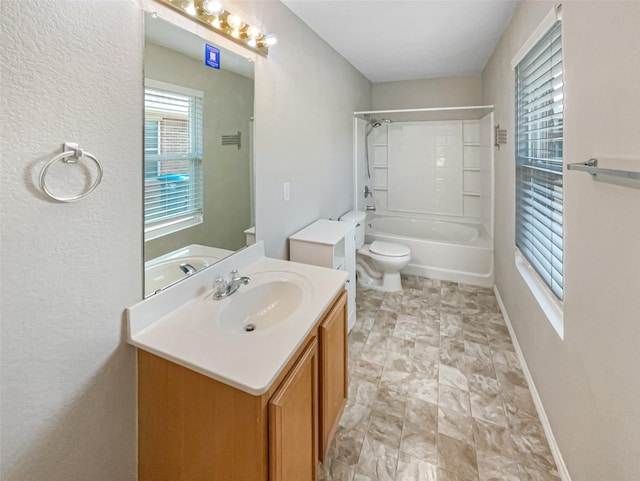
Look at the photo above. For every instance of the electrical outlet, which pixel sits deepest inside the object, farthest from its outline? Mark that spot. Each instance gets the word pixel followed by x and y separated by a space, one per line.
pixel 286 192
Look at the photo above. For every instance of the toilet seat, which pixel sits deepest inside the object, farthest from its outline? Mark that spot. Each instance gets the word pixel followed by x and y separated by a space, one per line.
pixel 389 249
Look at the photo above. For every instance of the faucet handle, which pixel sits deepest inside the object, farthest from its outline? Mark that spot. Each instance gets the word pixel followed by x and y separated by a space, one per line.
pixel 220 285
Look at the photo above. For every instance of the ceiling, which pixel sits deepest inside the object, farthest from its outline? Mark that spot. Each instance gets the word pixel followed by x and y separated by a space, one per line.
pixel 391 40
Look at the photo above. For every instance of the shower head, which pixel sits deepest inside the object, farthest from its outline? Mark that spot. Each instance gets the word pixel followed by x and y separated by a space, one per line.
pixel 373 123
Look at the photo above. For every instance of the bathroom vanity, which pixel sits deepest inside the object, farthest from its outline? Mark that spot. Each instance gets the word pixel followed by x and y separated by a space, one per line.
pixel 329 243
pixel 217 402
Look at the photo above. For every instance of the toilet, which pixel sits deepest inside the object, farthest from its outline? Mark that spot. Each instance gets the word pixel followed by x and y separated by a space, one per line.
pixel 378 264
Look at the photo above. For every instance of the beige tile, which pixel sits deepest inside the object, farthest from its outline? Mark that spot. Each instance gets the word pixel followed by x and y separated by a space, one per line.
pixel 530 474
pixel 390 401
pixel 452 377
pixel 454 399
pixel 413 469
pixel 444 475
pixel 403 347
pixel 422 388
pixel 419 442
pixel 355 416
pixel 480 367
pixel 457 456
pixel 346 446
pixel 377 460
pixel 385 428
pixel 362 477
pixel 362 391
pixel 491 438
pixel 332 470
pixel 488 407
pixel 455 424
pixel 510 376
pixel 366 370
pixel 436 392
pixel 422 413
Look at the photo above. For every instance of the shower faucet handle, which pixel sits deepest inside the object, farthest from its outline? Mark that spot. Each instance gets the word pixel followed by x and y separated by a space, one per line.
pixel 367 192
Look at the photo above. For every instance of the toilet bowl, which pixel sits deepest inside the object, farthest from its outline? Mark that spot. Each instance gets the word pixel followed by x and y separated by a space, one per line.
pixel 378 264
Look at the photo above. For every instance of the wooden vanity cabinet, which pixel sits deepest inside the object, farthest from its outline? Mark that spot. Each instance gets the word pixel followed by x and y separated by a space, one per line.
pixel 192 427
pixel 334 380
pixel 293 421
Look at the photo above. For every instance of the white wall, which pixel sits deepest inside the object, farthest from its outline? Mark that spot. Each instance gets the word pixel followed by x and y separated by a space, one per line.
pixel 73 71
pixel 589 381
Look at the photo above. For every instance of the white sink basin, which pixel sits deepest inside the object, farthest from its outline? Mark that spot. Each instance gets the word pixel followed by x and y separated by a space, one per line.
pixel 270 299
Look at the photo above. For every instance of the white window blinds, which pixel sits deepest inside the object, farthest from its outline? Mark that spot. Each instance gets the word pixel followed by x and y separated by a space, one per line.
pixel 172 157
pixel 539 135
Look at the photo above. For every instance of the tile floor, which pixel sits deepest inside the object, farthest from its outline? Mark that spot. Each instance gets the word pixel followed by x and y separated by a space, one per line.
pixel 436 392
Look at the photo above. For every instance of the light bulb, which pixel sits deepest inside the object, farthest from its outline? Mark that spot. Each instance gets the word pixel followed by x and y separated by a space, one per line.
pixel 270 40
pixel 253 32
pixel 252 42
pixel 234 21
pixel 191 9
pixel 212 7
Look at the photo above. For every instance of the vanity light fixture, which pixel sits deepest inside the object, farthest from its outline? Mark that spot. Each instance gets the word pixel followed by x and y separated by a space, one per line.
pixel 212 14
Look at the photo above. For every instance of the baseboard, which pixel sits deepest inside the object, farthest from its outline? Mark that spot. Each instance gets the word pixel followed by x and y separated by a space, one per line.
pixel 553 445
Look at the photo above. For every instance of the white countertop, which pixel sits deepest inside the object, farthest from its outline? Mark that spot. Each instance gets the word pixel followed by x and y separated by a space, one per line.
pixel 247 361
pixel 323 231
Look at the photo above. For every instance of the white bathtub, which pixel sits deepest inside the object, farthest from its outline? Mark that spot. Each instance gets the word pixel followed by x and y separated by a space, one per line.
pixel 448 251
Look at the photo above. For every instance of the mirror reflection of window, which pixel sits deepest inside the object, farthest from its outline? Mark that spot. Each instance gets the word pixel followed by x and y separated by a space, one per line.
pixel 172 158
pixel 198 191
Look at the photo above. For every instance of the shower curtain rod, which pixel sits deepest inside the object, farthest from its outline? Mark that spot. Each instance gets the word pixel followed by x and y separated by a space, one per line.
pixel 433 109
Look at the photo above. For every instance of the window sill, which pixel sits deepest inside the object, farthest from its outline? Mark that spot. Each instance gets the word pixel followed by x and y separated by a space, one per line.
pixel 550 305
pixel 155 231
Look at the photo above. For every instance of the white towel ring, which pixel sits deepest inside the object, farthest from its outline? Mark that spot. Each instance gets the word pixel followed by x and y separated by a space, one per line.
pixel 72 152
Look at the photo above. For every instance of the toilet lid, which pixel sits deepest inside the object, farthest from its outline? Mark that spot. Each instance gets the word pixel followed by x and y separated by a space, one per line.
pixel 389 249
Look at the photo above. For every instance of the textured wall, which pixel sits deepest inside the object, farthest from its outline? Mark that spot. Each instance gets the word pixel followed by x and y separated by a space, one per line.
pixel 588 381
pixel 305 98
pixel 71 71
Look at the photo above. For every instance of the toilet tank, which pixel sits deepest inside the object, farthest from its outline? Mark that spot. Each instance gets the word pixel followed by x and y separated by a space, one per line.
pixel 358 218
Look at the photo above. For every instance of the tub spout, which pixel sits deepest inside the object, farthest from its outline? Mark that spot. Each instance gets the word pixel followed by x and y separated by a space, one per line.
pixel 188 269
pixel 370 208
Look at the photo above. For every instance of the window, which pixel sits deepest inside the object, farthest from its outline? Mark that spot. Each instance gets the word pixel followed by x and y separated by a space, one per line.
pixel 172 158
pixel 539 136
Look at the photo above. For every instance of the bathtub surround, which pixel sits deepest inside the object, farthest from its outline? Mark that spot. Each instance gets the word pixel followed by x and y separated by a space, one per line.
pixel 588 382
pixel 68 271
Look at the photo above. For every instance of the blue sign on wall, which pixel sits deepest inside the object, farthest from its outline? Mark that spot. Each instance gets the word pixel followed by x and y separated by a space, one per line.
pixel 211 56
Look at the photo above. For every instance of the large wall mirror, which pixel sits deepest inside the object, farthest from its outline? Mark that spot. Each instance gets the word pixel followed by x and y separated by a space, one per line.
pixel 198 153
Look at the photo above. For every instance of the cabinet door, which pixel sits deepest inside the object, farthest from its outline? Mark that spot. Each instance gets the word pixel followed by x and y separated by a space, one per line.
pixel 333 371
pixel 293 421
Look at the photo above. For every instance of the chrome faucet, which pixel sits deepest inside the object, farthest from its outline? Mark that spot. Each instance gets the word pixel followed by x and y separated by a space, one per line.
pixel 224 288
pixel 188 269
pixel 371 208
pixel 367 192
